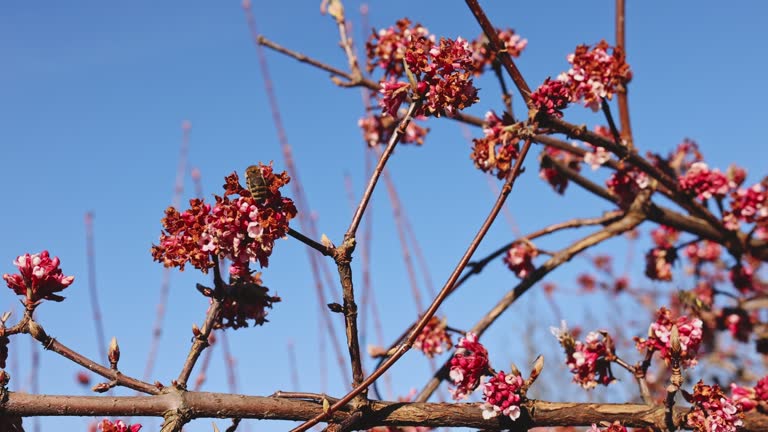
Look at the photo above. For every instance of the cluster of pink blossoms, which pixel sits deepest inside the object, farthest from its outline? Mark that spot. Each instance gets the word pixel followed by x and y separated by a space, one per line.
pixel 499 148
pixel 442 72
pixel 519 259
pixel 386 49
pixel 468 364
pixel 626 183
pixel 378 129
pixel 484 56
pixel 737 321
pixel 664 236
pixel 659 332
pixel 39 278
pixel 502 394
pixel 243 299
pixel 713 410
pixel 748 398
pixel 613 427
pixel 118 426
pixel 706 251
pixel 596 74
pixel 705 183
pixel 433 339
pixel 588 361
pixel 242 230
pixel 749 205
pixel 658 263
pixel 552 97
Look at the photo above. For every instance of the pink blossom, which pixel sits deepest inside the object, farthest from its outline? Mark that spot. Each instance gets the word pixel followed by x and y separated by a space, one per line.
pixel 386 48
pixel 713 412
pixel 433 339
pixel 596 74
pixel 118 426
pixel 498 149
pixel 596 157
pixel 705 183
pixel 658 263
pixel 552 175
pixel 483 56
pixel 39 278
pixel 689 330
pixel 664 236
pixel 394 93
pixel 519 259
pixel 750 205
pixel 502 395
pixel 626 183
pixel 551 98
pixel 588 363
pixel 467 365
pixel 706 251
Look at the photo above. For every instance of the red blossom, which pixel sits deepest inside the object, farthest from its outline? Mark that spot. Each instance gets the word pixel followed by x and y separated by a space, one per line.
pixel 502 395
pixel 393 94
pixel 626 183
pixel 658 263
pixel 467 365
pixel 551 98
pixel 118 426
pixel 499 148
pixel 588 361
pixel 748 205
pixel 243 299
pixel 664 236
pixel 433 339
pixel 689 330
pixel 736 321
pixel 616 426
pixel 386 48
pixel 596 74
pixel 706 251
pixel 705 183
pixel 483 56
pixel 378 130
pixel 242 230
pixel 39 278
pixel 713 411
pixel 551 174
pixel 519 259
pixel 742 277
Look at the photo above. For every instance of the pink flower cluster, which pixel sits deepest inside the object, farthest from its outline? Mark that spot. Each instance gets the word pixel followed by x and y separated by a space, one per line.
pixel 378 129
pixel 749 205
pixel 39 278
pixel 502 395
pixel 467 365
pixel 386 49
pixel 616 426
pixel 483 56
pixel 588 363
pixel 737 321
pixel 433 339
pixel 705 183
pixel 551 98
pixel 243 229
pixel 596 74
pixel 658 263
pixel 519 259
pixel 743 277
pixel 552 175
pixel 626 183
pixel 118 426
pixel 442 72
pixel 689 330
pixel 713 412
pixel 706 251
pixel 664 236
pixel 243 299
pixel 747 398
pixel 499 148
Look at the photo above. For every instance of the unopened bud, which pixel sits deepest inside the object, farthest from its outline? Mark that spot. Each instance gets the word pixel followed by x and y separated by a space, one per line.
pixel 114 353
pixel 4 377
pixel 538 366
pixel 674 340
pixel 37 331
pixel 195 331
pixel 513 369
pixel 5 317
pixel 101 387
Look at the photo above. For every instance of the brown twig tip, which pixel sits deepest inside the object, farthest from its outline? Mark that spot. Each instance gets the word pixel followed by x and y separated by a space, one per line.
pixel 114 353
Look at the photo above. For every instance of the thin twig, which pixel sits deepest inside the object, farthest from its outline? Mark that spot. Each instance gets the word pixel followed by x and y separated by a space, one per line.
pixel 325 250
pixel 623 93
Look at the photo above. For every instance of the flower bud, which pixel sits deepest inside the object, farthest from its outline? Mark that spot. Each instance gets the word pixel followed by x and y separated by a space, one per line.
pixel 114 353
pixel 101 387
pixel 37 331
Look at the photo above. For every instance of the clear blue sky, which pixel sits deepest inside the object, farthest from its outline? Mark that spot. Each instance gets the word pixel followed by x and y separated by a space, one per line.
pixel 94 94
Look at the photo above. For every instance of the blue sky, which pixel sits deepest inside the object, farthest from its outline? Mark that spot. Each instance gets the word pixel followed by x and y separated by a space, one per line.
pixel 94 94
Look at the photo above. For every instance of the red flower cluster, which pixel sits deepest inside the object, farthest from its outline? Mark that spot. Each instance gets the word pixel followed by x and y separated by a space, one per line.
pixel 595 74
pixel 378 129
pixel 496 151
pixel 664 236
pixel 713 412
pixel 386 49
pixel 468 364
pixel 737 321
pixel 658 263
pixel 705 183
pixel 243 299
pixel 706 251
pixel 614 427
pixel 502 394
pixel 39 278
pixel 747 398
pixel 243 229
pixel 118 426
pixel 686 154
pixel 626 183
pixel 586 360
pixel 442 73
pixel 743 277
pixel 483 56
pixel 551 174
pixel 551 98
pixel 689 329
pixel 519 259
pixel 433 339
pixel 749 205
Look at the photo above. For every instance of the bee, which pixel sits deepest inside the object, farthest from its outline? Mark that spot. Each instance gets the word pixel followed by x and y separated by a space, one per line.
pixel 256 182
